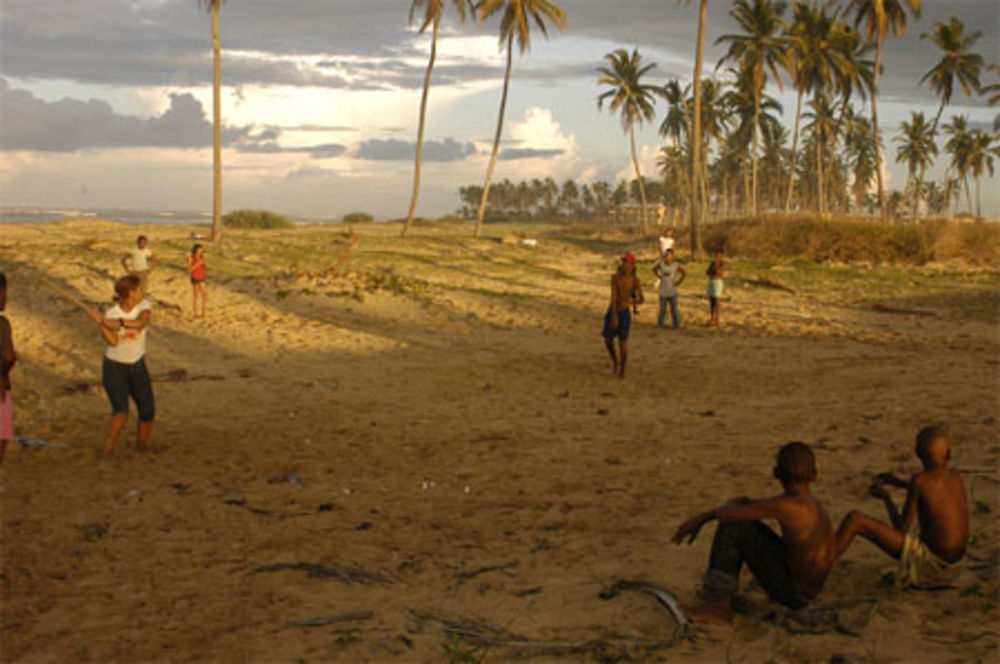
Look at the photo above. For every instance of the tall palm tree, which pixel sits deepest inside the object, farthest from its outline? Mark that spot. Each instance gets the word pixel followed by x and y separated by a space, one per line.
pixel 979 157
pixel 957 62
pixel 433 10
pixel 860 153
pixel 515 21
pixel 677 120
pixel 758 51
pixel 631 98
pixel 825 56
pixel 825 128
pixel 917 149
pixel 697 167
pixel 958 145
pixel 879 17
pixel 752 113
pixel 214 6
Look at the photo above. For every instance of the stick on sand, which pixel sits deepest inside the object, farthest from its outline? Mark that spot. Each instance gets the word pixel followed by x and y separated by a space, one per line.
pixel 66 295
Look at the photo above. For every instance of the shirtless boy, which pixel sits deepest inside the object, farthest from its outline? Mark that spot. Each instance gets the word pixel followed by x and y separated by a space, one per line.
pixel 791 567
pixel 936 497
pixel 626 292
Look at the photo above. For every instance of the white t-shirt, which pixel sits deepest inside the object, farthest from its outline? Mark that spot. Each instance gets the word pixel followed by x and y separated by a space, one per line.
pixel 665 243
pixel 140 258
pixel 131 343
pixel 668 275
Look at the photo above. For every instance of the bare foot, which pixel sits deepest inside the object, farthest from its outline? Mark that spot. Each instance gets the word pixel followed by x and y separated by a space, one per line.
pixel 718 612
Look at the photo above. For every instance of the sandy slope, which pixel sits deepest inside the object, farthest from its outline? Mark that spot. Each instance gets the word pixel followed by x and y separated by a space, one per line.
pixel 405 428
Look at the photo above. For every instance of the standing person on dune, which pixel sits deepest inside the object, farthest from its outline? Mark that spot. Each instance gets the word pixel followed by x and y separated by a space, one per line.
pixel 140 261
pixel 124 371
pixel 196 268
pixel 626 292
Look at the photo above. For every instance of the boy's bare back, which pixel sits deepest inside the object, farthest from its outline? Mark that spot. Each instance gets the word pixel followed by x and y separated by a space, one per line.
pixel 943 511
pixel 808 539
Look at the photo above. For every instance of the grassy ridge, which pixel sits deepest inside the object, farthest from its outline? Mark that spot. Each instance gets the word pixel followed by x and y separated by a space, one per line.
pixel 851 239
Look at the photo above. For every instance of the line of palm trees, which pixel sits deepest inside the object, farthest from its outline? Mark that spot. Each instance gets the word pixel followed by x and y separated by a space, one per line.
pixel 824 54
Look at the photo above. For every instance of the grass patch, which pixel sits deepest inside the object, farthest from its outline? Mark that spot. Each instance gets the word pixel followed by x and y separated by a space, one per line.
pixel 263 219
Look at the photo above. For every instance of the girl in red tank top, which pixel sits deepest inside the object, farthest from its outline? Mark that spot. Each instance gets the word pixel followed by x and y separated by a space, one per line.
pixel 196 268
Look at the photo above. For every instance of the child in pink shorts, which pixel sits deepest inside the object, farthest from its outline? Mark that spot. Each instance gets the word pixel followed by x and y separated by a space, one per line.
pixel 7 360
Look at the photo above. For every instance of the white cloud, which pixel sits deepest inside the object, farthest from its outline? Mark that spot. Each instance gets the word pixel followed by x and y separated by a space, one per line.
pixel 647 163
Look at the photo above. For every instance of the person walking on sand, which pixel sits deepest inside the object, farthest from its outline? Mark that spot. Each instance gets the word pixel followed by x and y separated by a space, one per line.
pixel 7 360
pixel 716 272
pixel 667 271
pixel 196 268
pixel 626 292
pixel 140 261
pixel 124 371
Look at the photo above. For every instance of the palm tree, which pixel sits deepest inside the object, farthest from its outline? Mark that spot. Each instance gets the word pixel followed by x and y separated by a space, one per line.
pixel 880 16
pixel 753 113
pixel 825 55
pixel 433 9
pixel 677 120
pixel 980 152
pixel 825 129
pixel 917 149
pixel 697 184
pixel 631 98
pixel 860 153
pixel 959 148
pixel 957 62
pixel 758 51
pixel 214 6
pixel 515 21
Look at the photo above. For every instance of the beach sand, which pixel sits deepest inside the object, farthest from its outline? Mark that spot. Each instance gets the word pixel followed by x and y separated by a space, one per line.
pixel 434 431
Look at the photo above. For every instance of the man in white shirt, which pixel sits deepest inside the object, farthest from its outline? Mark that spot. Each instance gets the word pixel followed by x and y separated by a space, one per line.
pixel 671 275
pixel 139 261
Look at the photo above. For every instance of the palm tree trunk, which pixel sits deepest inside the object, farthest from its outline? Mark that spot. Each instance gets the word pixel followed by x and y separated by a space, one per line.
pixel 979 208
pixel 216 128
pixel 638 175
pixel 420 128
pixel 795 151
pixel 496 139
pixel 923 167
pixel 753 170
pixel 819 173
pixel 883 208
pixel 696 190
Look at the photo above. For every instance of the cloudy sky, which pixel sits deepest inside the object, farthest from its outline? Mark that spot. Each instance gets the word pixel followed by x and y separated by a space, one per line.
pixel 106 103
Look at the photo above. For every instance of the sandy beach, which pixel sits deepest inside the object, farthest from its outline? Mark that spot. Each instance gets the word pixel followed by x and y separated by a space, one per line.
pixel 420 454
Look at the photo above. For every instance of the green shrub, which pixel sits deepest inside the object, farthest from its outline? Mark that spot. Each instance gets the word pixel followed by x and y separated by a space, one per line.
pixel 256 219
pixel 358 218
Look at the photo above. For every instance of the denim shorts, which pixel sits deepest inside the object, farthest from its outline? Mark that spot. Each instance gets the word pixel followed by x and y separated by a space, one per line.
pixel 122 381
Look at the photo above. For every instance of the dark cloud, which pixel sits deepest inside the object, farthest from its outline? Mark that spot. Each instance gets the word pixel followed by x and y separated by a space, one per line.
pixel 396 150
pixel 67 125
pixel 528 153
pixel 30 123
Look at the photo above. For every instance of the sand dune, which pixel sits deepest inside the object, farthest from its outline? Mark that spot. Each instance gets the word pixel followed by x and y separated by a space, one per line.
pixel 437 436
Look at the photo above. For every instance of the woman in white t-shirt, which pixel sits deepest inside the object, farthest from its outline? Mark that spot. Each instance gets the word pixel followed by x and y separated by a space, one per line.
pixel 124 371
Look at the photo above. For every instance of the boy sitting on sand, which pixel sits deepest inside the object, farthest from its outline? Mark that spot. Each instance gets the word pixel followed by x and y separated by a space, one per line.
pixel 936 496
pixel 792 567
pixel 7 359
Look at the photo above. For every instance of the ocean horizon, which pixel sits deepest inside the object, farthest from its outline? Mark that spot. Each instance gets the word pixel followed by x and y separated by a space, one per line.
pixel 44 215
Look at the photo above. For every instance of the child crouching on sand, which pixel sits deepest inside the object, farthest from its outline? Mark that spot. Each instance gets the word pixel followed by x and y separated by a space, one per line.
pixel 124 370
pixel 936 499
pixel 7 360
pixel 792 567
